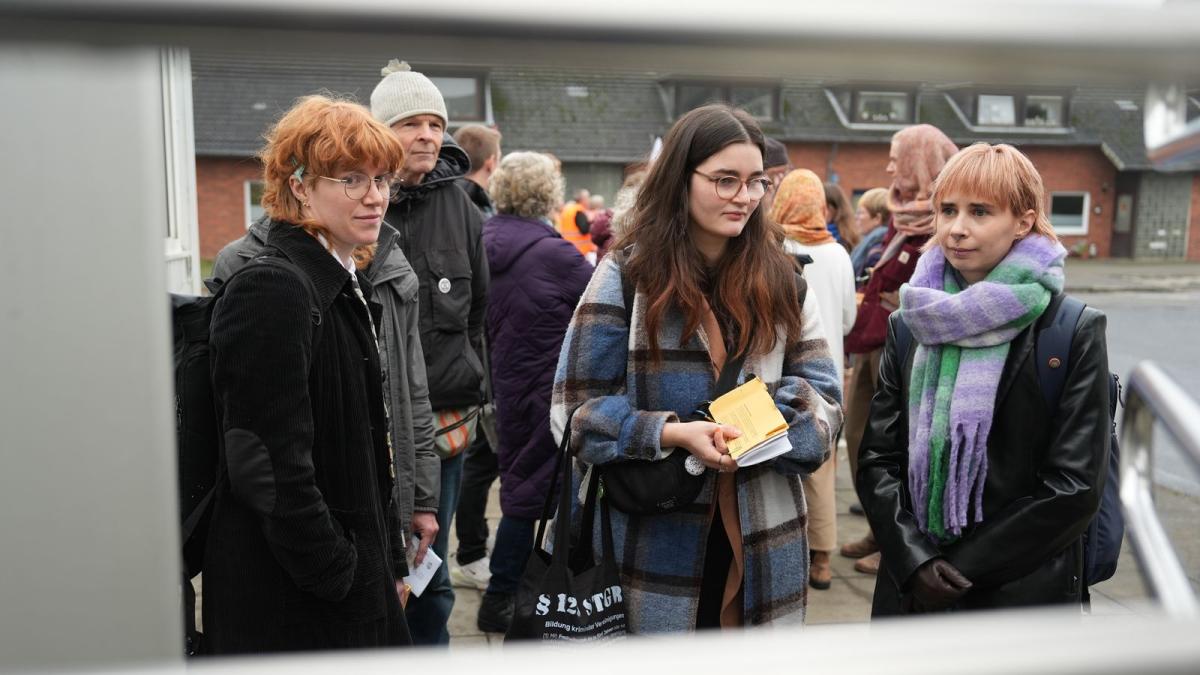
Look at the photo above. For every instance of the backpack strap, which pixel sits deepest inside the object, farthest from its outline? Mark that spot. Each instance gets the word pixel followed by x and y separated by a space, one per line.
pixel 280 262
pixel 1054 349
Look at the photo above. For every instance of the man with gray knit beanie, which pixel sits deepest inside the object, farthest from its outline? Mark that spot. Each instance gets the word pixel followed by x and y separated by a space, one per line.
pixel 440 233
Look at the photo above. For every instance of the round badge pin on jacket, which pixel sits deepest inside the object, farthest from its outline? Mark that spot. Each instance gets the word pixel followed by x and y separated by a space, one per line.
pixel 444 285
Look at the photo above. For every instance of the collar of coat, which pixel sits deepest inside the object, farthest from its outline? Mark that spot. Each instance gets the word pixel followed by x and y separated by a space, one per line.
pixel 328 277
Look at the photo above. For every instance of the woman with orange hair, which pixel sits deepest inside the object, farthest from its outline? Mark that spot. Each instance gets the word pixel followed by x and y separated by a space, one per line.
pixel 304 545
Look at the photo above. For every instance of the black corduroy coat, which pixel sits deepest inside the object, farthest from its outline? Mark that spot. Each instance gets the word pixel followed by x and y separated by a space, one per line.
pixel 303 542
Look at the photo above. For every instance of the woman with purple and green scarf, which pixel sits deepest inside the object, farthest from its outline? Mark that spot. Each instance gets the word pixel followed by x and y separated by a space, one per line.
pixel 978 493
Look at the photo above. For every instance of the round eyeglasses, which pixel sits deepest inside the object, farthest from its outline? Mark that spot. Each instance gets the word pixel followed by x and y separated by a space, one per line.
pixel 728 187
pixel 356 184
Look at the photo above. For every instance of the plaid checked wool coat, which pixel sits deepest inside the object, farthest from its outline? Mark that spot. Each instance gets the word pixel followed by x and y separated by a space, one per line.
pixel 662 557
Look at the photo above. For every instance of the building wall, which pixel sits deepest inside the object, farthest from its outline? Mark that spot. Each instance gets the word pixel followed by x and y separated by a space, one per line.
pixel 1193 247
pixel 221 200
pixel 861 166
pixel 1164 203
pixel 1083 169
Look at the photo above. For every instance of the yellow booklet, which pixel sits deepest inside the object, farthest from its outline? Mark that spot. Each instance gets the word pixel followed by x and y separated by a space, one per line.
pixel 752 410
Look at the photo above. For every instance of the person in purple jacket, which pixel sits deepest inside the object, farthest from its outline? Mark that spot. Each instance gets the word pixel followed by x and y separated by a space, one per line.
pixel 537 278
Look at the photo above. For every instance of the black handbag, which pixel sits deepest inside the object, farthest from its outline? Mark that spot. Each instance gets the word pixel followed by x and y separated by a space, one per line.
pixel 566 595
pixel 655 487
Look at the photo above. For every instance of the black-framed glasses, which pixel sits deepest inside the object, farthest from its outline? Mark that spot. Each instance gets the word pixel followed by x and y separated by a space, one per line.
pixel 728 187
pixel 357 184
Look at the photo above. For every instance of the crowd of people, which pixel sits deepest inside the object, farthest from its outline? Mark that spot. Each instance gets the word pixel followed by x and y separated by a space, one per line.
pixel 444 318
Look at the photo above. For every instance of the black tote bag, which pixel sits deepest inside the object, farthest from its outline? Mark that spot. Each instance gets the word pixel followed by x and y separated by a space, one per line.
pixel 567 596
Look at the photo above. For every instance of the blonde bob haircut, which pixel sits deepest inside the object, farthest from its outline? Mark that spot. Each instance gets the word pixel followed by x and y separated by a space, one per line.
pixel 998 174
pixel 324 136
pixel 526 185
pixel 875 201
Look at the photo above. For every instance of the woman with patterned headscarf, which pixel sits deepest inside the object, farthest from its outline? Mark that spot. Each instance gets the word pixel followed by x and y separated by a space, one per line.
pixel 917 155
pixel 800 209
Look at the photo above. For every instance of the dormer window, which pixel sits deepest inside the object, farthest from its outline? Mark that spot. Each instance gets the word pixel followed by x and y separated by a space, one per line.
pixel 984 109
pixel 996 110
pixel 1020 110
pixel 873 107
pixel 1043 111
pixel 760 100
pixel 882 107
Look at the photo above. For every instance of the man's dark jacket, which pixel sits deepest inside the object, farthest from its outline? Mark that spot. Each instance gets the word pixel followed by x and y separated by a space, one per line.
pixel 1045 476
pixel 440 234
pixel 303 544
pixel 479 197
pixel 537 279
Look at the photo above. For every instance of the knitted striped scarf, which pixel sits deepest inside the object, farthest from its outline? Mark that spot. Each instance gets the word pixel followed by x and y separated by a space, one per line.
pixel 963 337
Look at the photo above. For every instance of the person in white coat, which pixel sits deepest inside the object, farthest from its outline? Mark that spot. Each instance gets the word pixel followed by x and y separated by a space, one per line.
pixel 799 207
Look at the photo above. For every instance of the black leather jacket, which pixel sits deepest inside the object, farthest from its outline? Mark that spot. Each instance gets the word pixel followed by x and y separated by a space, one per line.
pixel 1044 480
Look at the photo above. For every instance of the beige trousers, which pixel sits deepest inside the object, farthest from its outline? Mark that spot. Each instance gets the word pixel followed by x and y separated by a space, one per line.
pixel 820 493
pixel 858 403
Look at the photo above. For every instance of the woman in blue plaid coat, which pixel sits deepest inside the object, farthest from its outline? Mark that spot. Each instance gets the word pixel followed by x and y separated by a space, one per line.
pixel 711 281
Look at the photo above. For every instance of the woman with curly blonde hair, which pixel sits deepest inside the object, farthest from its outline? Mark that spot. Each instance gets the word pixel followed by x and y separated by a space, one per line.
pixel 537 278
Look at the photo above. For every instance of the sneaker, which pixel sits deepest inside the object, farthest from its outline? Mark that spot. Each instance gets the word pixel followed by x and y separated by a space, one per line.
pixel 867 564
pixel 495 613
pixel 474 575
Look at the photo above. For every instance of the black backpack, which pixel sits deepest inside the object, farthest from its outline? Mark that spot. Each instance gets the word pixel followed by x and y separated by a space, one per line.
pixel 197 427
pixel 1102 541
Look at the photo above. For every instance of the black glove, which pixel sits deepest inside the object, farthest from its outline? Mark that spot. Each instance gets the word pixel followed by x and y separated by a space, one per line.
pixel 937 585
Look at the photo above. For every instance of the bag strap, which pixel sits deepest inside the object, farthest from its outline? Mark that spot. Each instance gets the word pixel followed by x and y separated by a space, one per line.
pixel 1054 349
pixel 471 415
pixel 562 467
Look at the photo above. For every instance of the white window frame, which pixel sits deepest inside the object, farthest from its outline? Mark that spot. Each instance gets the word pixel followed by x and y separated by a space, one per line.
pixel 182 237
pixel 1012 100
pixel 1062 109
pixel 969 121
pixel 1087 209
pixel 857 100
pixel 247 201
pixel 845 114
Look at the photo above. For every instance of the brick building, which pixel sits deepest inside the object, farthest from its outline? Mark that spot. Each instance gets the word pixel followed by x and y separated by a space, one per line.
pixel 1104 197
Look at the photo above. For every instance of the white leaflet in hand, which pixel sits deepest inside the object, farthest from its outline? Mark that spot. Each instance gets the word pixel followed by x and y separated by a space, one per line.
pixel 420 576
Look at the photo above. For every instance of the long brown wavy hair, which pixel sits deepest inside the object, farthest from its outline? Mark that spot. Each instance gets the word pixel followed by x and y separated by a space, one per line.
pixel 752 287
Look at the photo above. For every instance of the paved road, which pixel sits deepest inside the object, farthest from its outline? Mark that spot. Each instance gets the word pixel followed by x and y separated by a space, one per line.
pixel 1164 328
